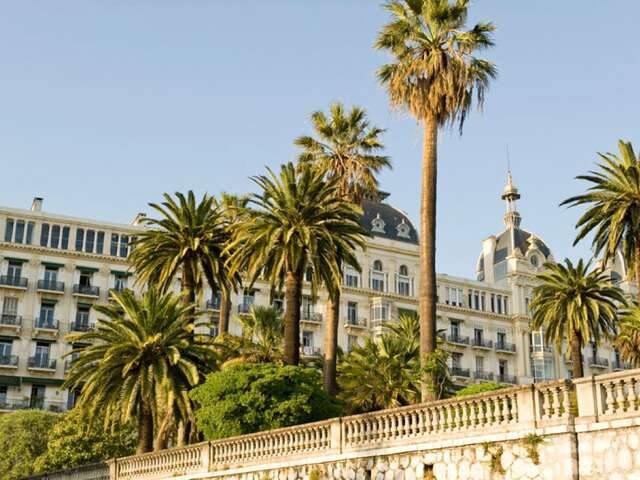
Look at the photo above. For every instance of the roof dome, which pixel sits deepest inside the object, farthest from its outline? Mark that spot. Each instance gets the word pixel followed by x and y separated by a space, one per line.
pixel 382 220
pixel 513 241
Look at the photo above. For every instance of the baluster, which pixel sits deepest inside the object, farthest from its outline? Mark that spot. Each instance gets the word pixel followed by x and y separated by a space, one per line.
pixel 566 401
pixel 504 401
pixel 482 413
pixel 401 421
pixel 620 396
pixel 610 400
pixel 415 423
pixel 556 402
pixel 442 420
pixel 632 396
pixel 546 405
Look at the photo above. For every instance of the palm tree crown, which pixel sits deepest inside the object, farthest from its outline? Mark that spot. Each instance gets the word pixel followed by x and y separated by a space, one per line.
pixel 574 304
pixel 344 148
pixel 614 206
pixel 435 73
pixel 627 339
pixel 140 361
pixel 188 238
pixel 297 218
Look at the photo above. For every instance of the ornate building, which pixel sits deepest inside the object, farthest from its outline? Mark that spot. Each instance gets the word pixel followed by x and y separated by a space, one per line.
pixel 54 267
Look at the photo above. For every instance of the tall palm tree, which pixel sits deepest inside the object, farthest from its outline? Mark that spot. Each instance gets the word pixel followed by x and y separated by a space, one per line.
pixel 345 147
pixel 627 339
pixel 298 217
pixel 188 239
pixel 140 362
pixel 614 207
pixel 231 207
pixel 435 77
pixel 574 304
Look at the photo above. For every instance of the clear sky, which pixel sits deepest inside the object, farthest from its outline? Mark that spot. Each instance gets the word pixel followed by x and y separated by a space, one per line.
pixel 106 104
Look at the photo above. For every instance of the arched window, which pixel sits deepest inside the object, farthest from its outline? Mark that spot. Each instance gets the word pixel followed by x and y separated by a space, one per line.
pixel 403 270
pixel 377 265
pixel 534 260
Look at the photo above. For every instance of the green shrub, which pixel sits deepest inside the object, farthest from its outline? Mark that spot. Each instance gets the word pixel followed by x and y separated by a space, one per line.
pixel 249 397
pixel 72 442
pixel 479 388
pixel 23 437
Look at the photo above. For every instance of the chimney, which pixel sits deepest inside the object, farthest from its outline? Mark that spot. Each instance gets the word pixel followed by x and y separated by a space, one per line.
pixel 139 218
pixel 36 205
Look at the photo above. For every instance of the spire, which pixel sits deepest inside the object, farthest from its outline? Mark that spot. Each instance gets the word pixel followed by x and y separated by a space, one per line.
pixel 510 195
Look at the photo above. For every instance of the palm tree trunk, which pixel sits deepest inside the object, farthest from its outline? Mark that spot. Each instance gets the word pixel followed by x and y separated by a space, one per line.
pixel 576 356
pixel 225 310
pixel 331 343
pixel 292 294
pixel 188 285
pixel 145 429
pixel 160 441
pixel 637 265
pixel 428 289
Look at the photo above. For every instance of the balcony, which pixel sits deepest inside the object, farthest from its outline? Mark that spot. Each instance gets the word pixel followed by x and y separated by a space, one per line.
pixel 86 290
pixel 307 351
pixel 310 317
pixel 46 324
pixel 50 286
pixel 460 372
pixel 13 281
pixel 37 403
pixel 620 365
pixel 356 323
pixel 482 343
pixel 80 326
pixel 505 347
pixel 504 378
pixel 42 363
pixel 8 361
pixel 541 349
pixel 10 320
pixel 482 375
pixel 456 339
pixel 598 362
pixel 244 307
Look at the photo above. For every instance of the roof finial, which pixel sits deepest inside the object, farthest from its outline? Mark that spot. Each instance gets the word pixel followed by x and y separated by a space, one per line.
pixel 510 195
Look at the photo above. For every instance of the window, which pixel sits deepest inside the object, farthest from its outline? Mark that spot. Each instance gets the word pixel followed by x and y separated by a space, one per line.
pixel 124 246
pixel 308 275
pixel 479 364
pixel 15 270
pixel 72 398
pixel 307 339
pixel 30 227
pixel 352 342
pixel 65 238
pixel 403 270
pixel 352 313
pixel 42 354
pixel 278 303
pixel 19 231
pixel 307 307
pixel 85 279
pixel 44 235
pixel 79 239
pixel 534 260
pixel 8 231
pixel 114 244
pixel 505 299
pixel 380 312
pixel 483 298
pixel 3 395
pixel 47 313
pixel 456 360
pixel 503 368
pixel 499 303
pixel 351 277
pixel 476 300
pixel 100 243
pixel 453 296
pixel 55 236
pixel 9 308
pixel 526 304
pixel 493 302
pixel 120 282
pixel 501 339
pixel 404 287
pixel 5 349
pixel 90 241
pixel 377 266
pixel 478 336
pixel 50 275
pixel 377 284
pixel 455 329
pixel 36 400
pixel 82 318
pixel 543 369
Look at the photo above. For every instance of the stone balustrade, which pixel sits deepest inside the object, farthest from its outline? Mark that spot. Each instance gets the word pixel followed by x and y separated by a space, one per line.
pixel 505 414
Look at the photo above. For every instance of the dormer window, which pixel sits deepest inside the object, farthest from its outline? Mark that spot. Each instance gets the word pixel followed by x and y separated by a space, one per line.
pixel 377 266
pixel 534 260
pixel 403 270
pixel 377 224
pixel 403 229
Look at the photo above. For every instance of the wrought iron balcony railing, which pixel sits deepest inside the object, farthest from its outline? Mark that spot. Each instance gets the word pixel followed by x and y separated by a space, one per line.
pixel 51 286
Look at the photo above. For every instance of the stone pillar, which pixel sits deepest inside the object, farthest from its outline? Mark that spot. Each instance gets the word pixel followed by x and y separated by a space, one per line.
pixel 525 398
pixel 113 469
pixel 336 435
pixel 587 400
pixel 205 456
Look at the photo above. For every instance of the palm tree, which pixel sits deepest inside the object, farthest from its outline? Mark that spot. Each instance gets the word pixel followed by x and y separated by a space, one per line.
pixel 299 217
pixel 614 207
pixel 627 340
pixel 572 303
pixel 188 239
pixel 435 77
pixel 263 329
pixel 140 362
pixel 231 207
pixel 345 149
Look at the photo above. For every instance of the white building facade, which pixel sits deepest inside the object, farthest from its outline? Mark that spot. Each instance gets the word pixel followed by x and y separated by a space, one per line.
pixel 53 268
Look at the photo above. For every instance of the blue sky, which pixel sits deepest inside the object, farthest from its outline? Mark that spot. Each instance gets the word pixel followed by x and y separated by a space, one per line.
pixel 106 104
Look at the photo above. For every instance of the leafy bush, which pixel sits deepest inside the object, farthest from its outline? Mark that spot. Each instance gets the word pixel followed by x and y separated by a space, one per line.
pixel 72 442
pixel 479 388
pixel 250 397
pixel 23 437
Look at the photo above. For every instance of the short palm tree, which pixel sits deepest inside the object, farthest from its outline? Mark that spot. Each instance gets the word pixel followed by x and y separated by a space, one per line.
pixel 614 207
pixel 435 77
pixel 140 361
pixel 263 329
pixel 187 240
pixel 346 148
pixel 627 338
pixel 298 219
pixel 231 207
pixel 574 304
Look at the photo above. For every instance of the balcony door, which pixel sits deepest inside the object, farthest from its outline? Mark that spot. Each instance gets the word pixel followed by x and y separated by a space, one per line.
pixel 37 396
pixel 42 354
pixel 14 271
pixel 47 312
